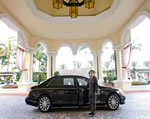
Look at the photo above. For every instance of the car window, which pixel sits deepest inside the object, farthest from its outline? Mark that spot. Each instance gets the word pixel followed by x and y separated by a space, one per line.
pixel 56 82
pixel 68 82
pixel 82 81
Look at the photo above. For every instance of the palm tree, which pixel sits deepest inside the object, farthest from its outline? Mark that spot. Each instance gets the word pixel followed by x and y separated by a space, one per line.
pixel 39 54
pixel 136 46
pixel 107 65
pixel 63 66
pixel 77 64
pixel 91 64
pixel 147 64
pixel 133 69
pixel 6 51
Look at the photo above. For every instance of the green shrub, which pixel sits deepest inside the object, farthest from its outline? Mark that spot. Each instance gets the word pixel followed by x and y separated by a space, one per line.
pixel 37 77
pixel 56 73
pixel 134 83
pixel 18 76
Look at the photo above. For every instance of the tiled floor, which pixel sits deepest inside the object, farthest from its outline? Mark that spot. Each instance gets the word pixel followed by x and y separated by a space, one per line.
pixel 136 107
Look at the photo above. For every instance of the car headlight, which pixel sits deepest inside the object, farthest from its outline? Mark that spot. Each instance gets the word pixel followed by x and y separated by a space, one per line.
pixel 28 92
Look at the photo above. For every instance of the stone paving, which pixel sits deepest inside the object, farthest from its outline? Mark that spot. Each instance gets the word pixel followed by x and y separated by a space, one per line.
pixel 136 107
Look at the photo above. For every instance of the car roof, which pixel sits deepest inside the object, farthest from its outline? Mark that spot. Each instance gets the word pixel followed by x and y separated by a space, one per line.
pixel 70 76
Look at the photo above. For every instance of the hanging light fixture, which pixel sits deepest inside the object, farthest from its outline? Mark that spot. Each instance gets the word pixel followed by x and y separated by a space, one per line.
pixel 73 5
pixel 73 10
pixel 89 4
pixel 57 4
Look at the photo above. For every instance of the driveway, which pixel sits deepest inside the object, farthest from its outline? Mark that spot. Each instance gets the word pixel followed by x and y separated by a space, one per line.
pixel 136 107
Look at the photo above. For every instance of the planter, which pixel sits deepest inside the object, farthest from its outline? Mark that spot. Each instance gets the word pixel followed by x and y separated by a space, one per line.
pixel 109 84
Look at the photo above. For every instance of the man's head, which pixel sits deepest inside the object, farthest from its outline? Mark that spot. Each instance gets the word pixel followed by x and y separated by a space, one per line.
pixel 91 73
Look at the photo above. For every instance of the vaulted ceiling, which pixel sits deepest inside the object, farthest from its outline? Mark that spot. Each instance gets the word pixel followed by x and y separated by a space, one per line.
pixel 72 29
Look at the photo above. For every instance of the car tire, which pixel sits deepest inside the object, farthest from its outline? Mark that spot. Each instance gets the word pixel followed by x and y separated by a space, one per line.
pixel 113 101
pixel 44 103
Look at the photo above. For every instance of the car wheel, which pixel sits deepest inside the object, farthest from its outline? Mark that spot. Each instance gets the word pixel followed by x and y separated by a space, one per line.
pixel 113 101
pixel 44 103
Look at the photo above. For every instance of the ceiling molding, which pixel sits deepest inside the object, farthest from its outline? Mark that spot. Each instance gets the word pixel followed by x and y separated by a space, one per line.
pixel 79 19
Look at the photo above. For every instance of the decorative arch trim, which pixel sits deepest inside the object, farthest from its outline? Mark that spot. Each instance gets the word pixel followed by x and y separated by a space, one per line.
pixel 12 24
pixel 134 22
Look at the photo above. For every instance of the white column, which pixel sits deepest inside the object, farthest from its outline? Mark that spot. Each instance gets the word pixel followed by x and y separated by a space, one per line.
pixel 95 55
pixel 49 65
pixel 24 75
pixel 124 71
pixel 100 66
pixel 122 81
pixel 54 63
pixel 118 64
pixel 30 70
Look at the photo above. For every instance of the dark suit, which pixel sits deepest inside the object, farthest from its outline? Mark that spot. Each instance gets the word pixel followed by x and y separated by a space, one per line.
pixel 93 88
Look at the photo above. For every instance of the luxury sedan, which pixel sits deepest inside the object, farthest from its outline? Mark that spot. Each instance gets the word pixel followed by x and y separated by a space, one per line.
pixel 70 90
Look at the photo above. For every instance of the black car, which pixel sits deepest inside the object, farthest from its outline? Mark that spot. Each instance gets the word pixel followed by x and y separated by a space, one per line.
pixel 68 90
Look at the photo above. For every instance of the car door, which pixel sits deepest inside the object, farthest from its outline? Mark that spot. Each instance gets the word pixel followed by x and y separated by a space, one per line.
pixel 56 90
pixel 83 94
pixel 70 91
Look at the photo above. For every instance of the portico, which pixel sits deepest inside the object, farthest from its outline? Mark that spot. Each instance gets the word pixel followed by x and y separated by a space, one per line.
pixel 113 25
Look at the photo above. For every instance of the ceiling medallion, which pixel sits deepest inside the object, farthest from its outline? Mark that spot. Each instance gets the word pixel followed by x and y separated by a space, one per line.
pixel 73 5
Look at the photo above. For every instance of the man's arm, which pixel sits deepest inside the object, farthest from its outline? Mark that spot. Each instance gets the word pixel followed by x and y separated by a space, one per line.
pixel 96 85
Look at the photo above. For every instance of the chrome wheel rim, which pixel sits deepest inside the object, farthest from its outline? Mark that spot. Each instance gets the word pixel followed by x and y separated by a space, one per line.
pixel 113 101
pixel 44 104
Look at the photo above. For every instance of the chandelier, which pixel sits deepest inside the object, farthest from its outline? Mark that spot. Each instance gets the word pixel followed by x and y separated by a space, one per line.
pixel 73 5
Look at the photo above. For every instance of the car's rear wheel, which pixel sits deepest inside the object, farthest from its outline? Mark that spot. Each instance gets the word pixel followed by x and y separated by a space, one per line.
pixel 44 103
pixel 113 101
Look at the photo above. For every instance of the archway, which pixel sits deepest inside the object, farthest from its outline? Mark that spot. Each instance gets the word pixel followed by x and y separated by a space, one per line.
pixel 108 63
pixel 80 64
pixel 140 62
pixel 8 51
pixel 39 63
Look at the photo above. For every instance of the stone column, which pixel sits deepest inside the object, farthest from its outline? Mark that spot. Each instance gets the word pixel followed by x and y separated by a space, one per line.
pixel 124 71
pixel 54 64
pixel 95 55
pixel 30 70
pixel 100 66
pixel 118 64
pixel 122 77
pixel 49 65
pixel 24 75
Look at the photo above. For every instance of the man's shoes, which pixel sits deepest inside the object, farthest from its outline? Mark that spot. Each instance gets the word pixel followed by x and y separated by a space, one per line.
pixel 93 114
pixel 90 113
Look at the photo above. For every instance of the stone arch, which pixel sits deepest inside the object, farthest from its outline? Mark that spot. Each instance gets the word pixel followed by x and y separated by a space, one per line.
pixel 125 38
pixel 22 39
pixel 41 42
pixel 65 45
pixel 84 44
pixel 105 43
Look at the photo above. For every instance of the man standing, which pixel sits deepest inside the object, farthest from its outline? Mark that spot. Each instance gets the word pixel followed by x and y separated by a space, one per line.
pixel 93 89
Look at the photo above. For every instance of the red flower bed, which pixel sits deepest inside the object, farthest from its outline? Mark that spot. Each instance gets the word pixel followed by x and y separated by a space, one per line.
pixel 10 86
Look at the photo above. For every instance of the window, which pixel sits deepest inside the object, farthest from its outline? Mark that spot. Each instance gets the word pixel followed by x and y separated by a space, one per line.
pixel 51 83
pixel 68 82
pixel 56 82
pixel 82 81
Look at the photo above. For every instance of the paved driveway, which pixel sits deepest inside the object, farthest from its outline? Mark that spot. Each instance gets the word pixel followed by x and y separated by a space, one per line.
pixel 136 107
